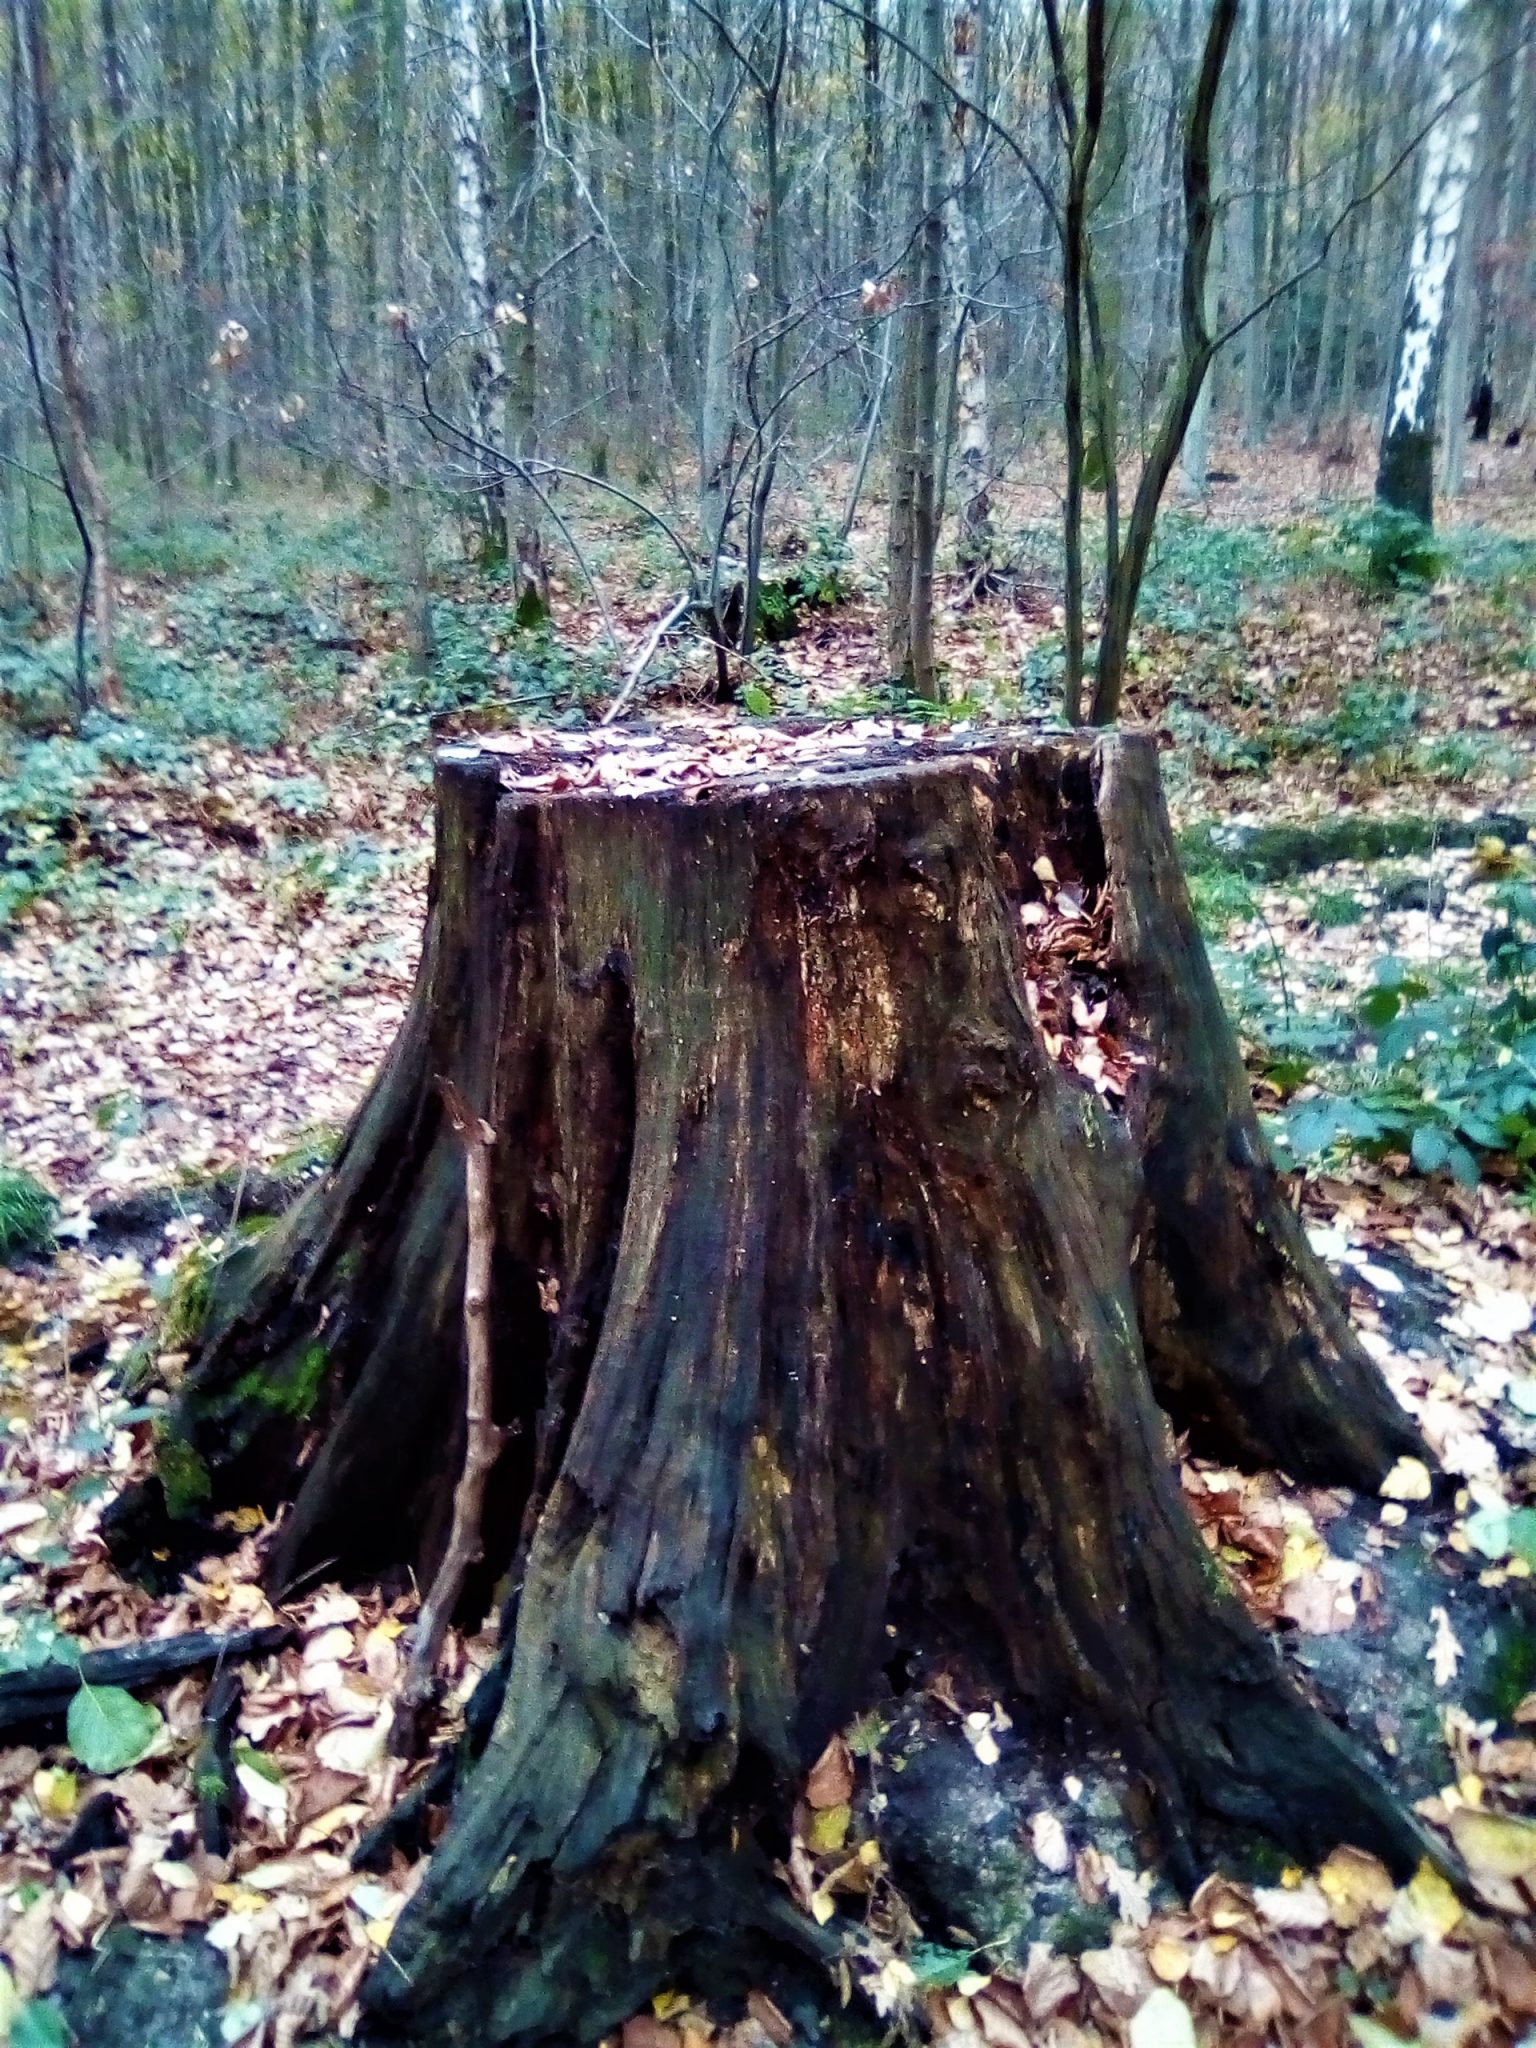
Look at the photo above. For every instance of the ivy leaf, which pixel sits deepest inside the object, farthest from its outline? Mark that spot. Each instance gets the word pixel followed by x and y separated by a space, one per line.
pixel 109 1729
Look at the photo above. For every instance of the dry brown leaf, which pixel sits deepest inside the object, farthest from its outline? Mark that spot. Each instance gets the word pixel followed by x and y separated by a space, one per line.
pixel 1049 1982
pixel 831 1777
pixel 1120 1976
pixel 998 2026
pixel 33 1947
pixel 770 2019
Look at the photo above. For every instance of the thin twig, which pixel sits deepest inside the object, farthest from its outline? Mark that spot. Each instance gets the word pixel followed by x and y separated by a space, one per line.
pixel 482 1439
pixel 642 660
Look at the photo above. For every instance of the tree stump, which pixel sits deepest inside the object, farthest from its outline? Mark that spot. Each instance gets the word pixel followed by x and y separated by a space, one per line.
pixel 842 1297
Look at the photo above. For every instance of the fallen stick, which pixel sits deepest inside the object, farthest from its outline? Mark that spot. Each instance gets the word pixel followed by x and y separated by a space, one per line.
pixel 482 1439
pixel 213 1775
pixel 641 662
pixel 44 1693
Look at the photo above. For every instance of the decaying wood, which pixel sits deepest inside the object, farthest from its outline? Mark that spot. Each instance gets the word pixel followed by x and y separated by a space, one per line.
pixel 482 1439
pixel 43 1694
pixel 213 1776
pixel 837 1329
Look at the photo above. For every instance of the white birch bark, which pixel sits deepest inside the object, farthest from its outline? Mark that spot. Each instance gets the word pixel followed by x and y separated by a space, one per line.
pixel 474 212
pixel 973 421
pixel 1405 478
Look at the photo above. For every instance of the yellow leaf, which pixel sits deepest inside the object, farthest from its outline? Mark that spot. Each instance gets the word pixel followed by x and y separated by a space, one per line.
pixel 57 1793
pixel 829 1829
pixel 1170 1959
pixel 1494 1844
pixel 1408 1480
pixel 1304 1552
pixel 1355 1884
pixel 822 1908
pixel 666 2003
pixel 1435 1904
pixel 240 1898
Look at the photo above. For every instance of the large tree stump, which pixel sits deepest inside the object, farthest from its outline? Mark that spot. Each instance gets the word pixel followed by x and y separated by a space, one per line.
pixel 835 1324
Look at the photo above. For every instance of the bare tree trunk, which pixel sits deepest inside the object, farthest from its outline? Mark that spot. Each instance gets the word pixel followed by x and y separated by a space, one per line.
pixel 1081 136
pixel 76 403
pixel 1198 346
pixel 1256 337
pixel 520 314
pixel 144 348
pixel 1480 260
pixel 921 674
pixel 914 420
pixel 1405 474
pixel 717 418
pixel 475 216
pixel 871 134
pixel 963 216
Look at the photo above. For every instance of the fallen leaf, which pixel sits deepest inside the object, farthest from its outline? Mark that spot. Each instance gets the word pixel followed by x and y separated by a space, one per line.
pixel 1494 1844
pixel 1445 1652
pixel 831 1780
pixel 1048 1838
pixel 109 1730
pixel 1408 1480
pixel 1355 1884
pixel 828 1829
pixel 1162 2021
pixel 1170 1959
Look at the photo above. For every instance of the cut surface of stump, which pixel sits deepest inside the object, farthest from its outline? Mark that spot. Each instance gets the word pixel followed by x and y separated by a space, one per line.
pixel 876 1190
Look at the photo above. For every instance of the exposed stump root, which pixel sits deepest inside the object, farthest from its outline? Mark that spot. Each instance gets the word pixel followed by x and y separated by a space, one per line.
pixel 831 1323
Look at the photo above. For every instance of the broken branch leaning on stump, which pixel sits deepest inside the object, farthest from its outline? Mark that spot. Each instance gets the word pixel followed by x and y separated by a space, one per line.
pixel 482 1439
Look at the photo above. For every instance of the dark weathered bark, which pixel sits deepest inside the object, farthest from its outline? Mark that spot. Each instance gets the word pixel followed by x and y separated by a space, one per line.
pixel 822 1311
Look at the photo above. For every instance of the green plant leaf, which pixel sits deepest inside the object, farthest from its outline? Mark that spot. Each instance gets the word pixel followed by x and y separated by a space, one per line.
pixel 1465 1170
pixel 1522 1534
pixel 109 1729
pixel 1430 1149
pixel 39 2025
pixel 757 700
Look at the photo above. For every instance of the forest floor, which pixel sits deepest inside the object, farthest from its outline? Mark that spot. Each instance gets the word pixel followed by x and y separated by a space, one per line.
pixel 209 913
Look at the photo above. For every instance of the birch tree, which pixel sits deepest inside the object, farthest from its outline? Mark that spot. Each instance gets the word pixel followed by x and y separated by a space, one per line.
pixel 1405 474
pixel 474 217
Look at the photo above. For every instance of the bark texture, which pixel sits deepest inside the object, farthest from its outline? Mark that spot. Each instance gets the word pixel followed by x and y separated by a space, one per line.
pixel 826 1316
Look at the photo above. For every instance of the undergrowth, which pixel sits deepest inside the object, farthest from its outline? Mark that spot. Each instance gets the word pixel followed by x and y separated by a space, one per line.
pixel 1433 1067
pixel 27 1211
